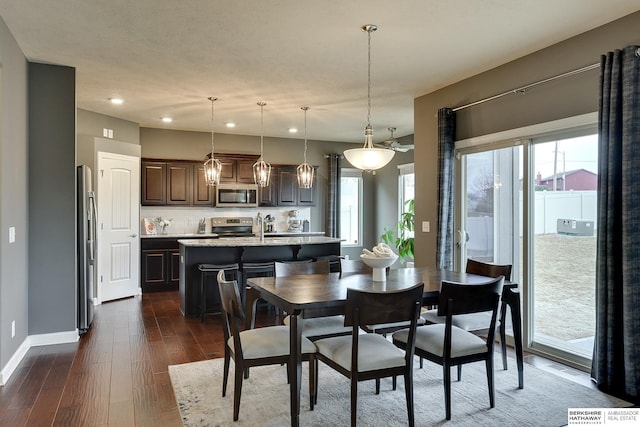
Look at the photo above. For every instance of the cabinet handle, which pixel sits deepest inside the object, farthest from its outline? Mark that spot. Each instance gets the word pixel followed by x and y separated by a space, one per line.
pixel 133 235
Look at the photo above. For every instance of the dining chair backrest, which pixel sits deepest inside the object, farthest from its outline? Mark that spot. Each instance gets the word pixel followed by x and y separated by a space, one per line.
pixel 232 312
pixel 353 266
pixel 464 298
pixel 284 269
pixel 371 307
pixel 489 270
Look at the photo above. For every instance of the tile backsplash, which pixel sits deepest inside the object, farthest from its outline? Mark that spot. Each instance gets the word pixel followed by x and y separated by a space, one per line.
pixel 186 219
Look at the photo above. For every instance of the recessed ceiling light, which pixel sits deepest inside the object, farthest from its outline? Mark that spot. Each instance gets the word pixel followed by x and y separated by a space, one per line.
pixel 230 125
pixel 167 119
pixel 116 101
pixel 293 130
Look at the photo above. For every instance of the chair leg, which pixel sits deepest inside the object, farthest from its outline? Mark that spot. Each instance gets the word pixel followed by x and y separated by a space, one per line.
pixel 490 381
pixel 447 389
pixel 459 372
pixel 421 362
pixel 377 385
pixel 312 380
pixel 225 378
pixel 316 381
pixel 237 390
pixel 395 383
pixel 354 399
pixel 503 334
pixel 408 386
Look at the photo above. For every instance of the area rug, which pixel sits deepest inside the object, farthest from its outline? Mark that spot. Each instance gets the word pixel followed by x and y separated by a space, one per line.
pixel 265 398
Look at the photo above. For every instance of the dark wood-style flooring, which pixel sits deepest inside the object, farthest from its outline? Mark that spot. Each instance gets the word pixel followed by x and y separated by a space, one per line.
pixel 117 374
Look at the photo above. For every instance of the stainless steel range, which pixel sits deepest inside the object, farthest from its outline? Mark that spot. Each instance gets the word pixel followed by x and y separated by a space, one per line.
pixel 232 226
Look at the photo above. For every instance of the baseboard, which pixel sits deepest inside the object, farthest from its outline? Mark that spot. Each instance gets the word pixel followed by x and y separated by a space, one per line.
pixel 13 363
pixel 35 341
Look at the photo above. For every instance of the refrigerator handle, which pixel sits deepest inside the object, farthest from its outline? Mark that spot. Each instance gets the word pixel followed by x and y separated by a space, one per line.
pixel 94 228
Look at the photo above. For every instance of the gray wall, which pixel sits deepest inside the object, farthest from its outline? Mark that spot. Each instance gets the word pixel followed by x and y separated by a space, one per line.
pixel 13 195
pixel 52 189
pixel 561 99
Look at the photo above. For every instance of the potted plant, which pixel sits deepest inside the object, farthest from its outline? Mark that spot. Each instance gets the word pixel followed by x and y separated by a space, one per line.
pixel 401 236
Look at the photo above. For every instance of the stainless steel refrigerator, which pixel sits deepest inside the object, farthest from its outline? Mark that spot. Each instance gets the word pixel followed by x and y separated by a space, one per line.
pixel 87 247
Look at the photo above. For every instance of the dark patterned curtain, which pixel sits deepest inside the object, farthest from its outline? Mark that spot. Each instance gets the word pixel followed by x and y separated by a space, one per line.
pixel 333 196
pixel 446 140
pixel 616 355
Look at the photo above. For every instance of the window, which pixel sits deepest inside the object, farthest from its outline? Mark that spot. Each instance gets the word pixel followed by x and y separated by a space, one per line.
pixel 406 187
pixel 350 207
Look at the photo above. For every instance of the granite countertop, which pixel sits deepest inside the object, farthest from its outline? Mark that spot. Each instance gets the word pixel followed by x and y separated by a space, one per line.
pixel 180 236
pixel 213 235
pixel 255 241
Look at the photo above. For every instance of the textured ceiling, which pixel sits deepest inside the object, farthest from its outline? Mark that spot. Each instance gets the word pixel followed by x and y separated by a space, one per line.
pixel 166 57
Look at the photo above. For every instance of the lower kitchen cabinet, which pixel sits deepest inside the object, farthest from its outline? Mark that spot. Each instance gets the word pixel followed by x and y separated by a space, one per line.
pixel 160 264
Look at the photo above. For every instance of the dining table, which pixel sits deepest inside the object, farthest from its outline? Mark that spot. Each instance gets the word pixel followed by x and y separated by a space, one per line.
pixel 318 295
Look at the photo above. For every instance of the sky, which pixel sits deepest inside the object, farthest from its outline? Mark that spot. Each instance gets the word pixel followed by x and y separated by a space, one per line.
pixel 578 153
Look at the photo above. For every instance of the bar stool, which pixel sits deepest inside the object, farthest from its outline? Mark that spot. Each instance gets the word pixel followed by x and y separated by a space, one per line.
pixel 232 272
pixel 256 269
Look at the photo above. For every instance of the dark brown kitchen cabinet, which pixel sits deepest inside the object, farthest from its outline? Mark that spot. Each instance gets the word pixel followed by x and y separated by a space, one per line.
pixel 160 264
pixel 202 193
pixel 154 183
pixel 244 169
pixel 237 169
pixel 268 196
pixel 289 193
pixel 166 183
pixel 179 183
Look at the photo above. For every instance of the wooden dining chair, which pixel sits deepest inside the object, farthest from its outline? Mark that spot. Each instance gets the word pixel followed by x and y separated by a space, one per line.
pixel 361 357
pixel 347 267
pixel 449 345
pixel 477 322
pixel 254 347
pixel 316 327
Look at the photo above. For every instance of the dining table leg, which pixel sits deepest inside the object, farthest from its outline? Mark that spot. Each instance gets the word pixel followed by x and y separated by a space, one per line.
pixel 516 321
pixel 295 366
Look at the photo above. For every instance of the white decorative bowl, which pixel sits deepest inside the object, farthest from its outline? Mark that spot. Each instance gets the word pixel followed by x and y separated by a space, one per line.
pixel 379 264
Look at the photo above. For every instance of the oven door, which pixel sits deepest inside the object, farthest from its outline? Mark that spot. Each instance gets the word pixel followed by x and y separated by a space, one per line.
pixel 235 195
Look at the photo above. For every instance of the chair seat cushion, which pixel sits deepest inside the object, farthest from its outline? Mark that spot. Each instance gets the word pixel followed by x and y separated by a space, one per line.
pixel 430 338
pixel 321 326
pixel 374 352
pixel 395 325
pixel 268 342
pixel 468 322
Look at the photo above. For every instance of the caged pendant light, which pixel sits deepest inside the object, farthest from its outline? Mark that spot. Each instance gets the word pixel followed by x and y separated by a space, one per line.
pixel 305 170
pixel 212 167
pixel 261 169
pixel 368 157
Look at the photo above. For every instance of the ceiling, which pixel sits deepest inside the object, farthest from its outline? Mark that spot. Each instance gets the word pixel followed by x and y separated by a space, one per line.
pixel 166 57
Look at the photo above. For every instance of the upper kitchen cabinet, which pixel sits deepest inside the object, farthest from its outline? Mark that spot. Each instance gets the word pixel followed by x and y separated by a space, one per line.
pixel 154 183
pixel 237 168
pixel 288 191
pixel 202 193
pixel 166 183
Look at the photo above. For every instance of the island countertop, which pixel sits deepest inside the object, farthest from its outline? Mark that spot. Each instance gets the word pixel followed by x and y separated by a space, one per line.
pixel 255 241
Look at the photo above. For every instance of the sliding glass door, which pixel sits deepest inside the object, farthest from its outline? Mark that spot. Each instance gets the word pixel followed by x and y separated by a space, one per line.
pixel 531 202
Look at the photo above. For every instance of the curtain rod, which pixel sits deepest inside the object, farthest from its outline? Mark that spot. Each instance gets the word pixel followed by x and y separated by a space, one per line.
pixel 529 86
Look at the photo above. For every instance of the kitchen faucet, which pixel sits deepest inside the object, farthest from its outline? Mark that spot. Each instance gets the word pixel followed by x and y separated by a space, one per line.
pixel 260 223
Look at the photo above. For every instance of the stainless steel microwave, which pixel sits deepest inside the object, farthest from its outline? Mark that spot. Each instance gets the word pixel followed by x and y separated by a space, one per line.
pixel 236 195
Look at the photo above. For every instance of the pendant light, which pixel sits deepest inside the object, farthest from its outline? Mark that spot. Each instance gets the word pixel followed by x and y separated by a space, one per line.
pixel 261 169
pixel 368 157
pixel 212 167
pixel 305 170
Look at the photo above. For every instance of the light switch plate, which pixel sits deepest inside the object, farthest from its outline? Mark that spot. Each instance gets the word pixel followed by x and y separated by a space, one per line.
pixel 426 226
pixel 12 234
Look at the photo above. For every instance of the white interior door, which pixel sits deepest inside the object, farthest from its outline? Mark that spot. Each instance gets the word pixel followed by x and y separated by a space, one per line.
pixel 118 179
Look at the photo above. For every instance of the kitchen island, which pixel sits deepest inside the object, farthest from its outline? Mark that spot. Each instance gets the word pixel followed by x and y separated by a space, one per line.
pixel 241 250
